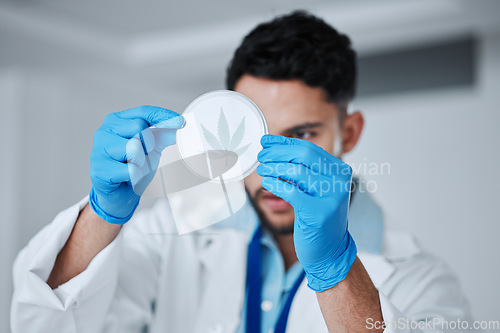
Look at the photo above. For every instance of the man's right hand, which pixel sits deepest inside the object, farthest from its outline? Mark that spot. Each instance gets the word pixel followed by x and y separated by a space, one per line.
pixel 120 168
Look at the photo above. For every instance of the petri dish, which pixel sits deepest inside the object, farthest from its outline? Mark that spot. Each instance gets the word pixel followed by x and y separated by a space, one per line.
pixel 225 128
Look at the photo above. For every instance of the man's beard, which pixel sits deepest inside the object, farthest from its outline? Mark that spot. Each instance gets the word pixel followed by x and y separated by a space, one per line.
pixel 277 231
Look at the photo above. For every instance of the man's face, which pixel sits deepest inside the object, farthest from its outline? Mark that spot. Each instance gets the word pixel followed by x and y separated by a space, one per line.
pixel 295 110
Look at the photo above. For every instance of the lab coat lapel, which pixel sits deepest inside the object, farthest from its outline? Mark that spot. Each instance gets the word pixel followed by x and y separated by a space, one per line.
pixel 305 313
pixel 366 225
pixel 224 261
pixel 366 220
pixel 379 268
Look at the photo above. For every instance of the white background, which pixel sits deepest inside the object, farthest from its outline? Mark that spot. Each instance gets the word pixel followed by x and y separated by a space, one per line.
pixel 64 66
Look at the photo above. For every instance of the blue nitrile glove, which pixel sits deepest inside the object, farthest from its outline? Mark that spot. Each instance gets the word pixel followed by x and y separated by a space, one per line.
pixel 317 185
pixel 120 169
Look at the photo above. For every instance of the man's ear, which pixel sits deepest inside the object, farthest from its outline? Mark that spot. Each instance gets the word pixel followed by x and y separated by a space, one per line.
pixel 351 130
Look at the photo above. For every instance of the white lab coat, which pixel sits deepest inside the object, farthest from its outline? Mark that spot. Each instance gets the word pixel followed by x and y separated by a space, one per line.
pixel 149 279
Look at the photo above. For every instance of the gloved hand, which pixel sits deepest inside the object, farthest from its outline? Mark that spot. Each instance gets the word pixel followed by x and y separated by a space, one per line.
pixel 120 168
pixel 317 185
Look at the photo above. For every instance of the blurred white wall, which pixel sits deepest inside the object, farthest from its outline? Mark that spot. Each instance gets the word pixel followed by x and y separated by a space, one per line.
pixel 63 69
pixel 442 148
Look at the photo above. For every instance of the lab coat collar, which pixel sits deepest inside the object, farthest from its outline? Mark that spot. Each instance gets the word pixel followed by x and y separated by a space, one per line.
pixel 367 227
pixel 378 247
pixel 366 219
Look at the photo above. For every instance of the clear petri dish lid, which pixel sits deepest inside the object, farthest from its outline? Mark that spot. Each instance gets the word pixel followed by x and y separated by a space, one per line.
pixel 222 135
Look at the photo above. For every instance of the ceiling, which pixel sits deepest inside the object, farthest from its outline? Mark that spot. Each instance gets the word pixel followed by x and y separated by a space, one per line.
pixel 136 17
pixel 192 41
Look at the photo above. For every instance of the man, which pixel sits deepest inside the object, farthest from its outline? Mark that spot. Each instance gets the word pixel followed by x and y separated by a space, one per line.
pixel 292 266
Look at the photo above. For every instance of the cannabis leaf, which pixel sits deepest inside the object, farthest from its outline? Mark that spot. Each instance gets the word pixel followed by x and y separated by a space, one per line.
pixel 242 149
pixel 223 130
pixel 211 139
pixel 225 141
pixel 237 136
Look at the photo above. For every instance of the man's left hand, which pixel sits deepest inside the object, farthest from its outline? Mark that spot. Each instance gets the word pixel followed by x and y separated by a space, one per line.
pixel 317 185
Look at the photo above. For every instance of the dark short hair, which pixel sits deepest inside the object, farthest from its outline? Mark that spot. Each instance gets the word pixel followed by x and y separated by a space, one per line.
pixel 298 46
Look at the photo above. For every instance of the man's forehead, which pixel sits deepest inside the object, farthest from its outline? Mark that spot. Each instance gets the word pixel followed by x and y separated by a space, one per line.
pixel 287 104
pixel 279 91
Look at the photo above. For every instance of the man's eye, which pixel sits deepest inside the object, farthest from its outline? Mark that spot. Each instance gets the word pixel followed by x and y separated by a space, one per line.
pixel 304 135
